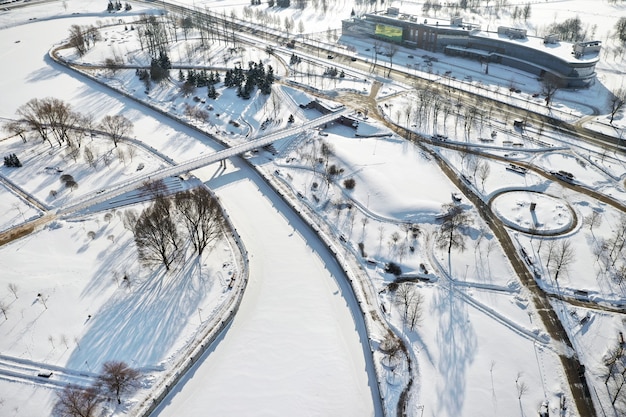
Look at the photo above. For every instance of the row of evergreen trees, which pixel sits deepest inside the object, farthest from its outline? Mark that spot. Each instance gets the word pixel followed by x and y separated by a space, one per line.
pixel 255 76
pixel 280 3
pixel 12 161
pixel 200 78
pixel 118 6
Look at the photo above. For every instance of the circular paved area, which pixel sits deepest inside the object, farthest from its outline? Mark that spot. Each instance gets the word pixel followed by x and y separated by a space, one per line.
pixel 551 216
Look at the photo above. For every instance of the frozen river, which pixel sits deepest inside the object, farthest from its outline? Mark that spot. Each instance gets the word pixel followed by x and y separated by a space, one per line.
pixel 294 347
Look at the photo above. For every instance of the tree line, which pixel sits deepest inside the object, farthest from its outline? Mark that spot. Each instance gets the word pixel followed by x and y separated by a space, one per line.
pixel 55 122
pixel 255 76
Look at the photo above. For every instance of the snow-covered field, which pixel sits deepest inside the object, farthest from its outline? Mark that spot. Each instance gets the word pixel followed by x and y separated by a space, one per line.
pixel 298 343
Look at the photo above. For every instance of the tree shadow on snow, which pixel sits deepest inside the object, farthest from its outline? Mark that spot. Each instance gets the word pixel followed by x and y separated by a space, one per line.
pixel 141 327
pixel 457 344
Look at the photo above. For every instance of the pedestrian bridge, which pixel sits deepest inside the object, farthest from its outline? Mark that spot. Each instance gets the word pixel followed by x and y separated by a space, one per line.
pixel 199 162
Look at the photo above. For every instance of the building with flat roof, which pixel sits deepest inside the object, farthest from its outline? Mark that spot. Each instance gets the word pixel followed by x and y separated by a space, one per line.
pixel 569 65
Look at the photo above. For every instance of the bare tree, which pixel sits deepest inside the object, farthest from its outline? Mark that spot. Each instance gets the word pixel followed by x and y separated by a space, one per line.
pixel 63 339
pixel 116 127
pixel 74 401
pixel 13 288
pixel 77 40
pixel 31 115
pixel 17 127
pixel 483 173
pixel 549 87
pixel 619 275
pixel 43 299
pixel 617 102
pixel 156 188
pixel 615 379
pixel 364 222
pixel 378 46
pixel 549 251
pixel 390 51
pixel 90 158
pixel 390 346
pixel 131 151
pixel 593 220
pixel 201 214
pixel 60 118
pixel 563 256
pixel 454 220
pixel 618 241
pixel 288 24
pixel 4 308
pixel 156 234
pixel 411 301
pixel 49 115
pixel 117 378
pixel 416 311
pixel 326 150
pixel 129 219
pixel 612 361
pixel 521 386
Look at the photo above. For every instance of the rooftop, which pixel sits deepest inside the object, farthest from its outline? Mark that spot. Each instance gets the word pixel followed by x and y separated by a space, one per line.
pixel 560 49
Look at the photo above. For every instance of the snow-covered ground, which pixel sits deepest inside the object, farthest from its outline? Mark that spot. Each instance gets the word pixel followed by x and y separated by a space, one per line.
pixel 294 347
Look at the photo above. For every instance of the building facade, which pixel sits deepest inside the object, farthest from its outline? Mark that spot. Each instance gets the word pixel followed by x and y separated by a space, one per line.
pixel 567 64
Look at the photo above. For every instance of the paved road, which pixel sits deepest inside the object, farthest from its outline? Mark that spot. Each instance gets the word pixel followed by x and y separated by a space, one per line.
pixel 541 301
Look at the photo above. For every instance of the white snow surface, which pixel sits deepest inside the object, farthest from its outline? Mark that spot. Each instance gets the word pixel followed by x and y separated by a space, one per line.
pixel 296 346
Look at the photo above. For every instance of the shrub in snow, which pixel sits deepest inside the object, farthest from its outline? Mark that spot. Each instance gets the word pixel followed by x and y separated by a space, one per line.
pixel 12 161
pixel 392 268
pixel 71 184
pixel 349 183
pixel 66 177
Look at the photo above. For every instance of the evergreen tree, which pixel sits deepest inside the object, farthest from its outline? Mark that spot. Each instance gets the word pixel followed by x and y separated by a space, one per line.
pixel 12 161
pixel 212 93
pixel 164 61
pixel 238 76
pixel 191 77
pixel 202 79
pixel 270 75
pixel 228 78
pixel 247 89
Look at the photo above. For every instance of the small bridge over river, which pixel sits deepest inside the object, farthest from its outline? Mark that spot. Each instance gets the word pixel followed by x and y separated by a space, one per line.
pixel 102 196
